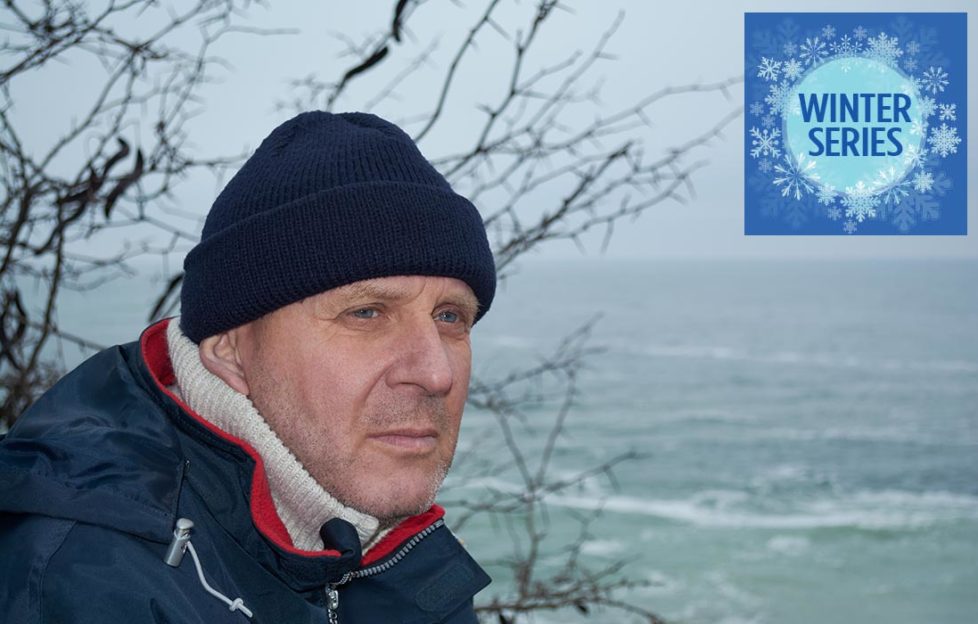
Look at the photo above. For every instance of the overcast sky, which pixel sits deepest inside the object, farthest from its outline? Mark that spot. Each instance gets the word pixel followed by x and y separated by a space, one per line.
pixel 659 44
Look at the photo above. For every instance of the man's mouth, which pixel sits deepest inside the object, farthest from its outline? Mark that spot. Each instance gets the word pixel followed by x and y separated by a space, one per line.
pixel 421 440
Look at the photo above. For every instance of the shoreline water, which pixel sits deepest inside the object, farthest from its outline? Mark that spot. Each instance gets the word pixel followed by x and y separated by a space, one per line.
pixel 808 429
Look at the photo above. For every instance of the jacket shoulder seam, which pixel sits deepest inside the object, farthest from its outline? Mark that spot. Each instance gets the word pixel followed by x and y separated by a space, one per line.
pixel 67 485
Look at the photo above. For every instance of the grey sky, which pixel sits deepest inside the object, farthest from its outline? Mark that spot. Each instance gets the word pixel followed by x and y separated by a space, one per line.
pixel 659 43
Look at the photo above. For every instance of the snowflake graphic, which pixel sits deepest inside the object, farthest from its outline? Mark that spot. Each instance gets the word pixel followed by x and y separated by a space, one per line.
pixel 794 108
pixel 918 127
pixel 885 177
pixel 834 213
pixel 764 165
pixel 934 80
pixel 768 69
pixel 845 64
pixel 944 140
pixel 914 156
pixel 849 227
pixel 913 48
pixel 826 194
pixel 792 69
pixel 845 46
pixel 796 175
pixel 813 51
pixel 860 33
pixel 778 97
pixel 910 64
pixel 765 142
pixel 927 106
pixel 757 109
pixel 889 187
pixel 949 112
pixel 768 121
pixel 922 205
pixel 883 49
pixel 860 202
pixel 923 181
pixel 829 31
pixel 789 49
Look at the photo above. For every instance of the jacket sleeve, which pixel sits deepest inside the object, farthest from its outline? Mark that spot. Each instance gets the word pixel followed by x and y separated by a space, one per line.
pixel 27 543
pixel 61 571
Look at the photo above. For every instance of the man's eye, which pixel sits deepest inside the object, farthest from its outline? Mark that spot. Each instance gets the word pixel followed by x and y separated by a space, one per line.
pixel 448 316
pixel 365 313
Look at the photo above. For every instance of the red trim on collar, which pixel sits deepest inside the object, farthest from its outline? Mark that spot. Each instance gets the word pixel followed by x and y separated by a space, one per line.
pixel 156 354
pixel 401 533
pixel 153 347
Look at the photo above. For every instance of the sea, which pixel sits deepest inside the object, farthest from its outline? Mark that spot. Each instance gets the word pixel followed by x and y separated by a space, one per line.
pixel 786 441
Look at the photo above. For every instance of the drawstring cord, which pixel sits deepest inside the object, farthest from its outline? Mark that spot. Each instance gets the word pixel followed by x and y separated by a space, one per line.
pixel 174 555
pixel 234 605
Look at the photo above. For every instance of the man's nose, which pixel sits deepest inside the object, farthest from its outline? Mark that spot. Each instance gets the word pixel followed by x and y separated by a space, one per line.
pixel 422 360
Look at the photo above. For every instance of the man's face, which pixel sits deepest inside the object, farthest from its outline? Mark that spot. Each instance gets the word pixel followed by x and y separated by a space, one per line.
pixel 366 384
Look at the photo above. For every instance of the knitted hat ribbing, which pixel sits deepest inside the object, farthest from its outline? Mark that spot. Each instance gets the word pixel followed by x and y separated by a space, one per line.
pixel 327 200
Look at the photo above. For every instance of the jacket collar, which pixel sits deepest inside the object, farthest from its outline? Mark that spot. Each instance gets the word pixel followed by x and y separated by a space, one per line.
pixel 302 503
pixel 238 469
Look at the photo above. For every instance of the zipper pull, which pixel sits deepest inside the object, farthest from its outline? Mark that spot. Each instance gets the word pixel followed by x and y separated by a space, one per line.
pixel 333 598
pixel 333 604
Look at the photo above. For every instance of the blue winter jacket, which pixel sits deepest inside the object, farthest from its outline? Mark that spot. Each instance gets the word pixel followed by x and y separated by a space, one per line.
pixel 95 475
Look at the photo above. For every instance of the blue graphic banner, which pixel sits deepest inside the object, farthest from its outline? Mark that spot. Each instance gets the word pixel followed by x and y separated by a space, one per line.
pixel 855 123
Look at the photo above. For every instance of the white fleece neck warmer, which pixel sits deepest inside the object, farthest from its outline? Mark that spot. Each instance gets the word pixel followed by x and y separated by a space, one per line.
pixel 303 505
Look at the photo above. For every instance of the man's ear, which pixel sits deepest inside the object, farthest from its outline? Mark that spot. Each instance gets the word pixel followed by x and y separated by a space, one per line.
pixel 220 355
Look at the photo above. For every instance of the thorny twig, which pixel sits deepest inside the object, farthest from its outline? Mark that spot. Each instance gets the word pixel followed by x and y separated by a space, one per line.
pixel 53 215
pixel 535 170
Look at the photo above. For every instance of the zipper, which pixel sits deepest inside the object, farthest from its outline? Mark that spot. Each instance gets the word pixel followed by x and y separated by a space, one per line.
pixel 332 592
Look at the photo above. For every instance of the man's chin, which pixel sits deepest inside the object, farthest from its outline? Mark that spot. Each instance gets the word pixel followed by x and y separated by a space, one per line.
pixel 391 512
pixel 397 500
pixel 392 490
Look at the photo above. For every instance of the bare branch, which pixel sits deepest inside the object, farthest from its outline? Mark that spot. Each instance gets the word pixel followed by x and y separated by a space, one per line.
pixel 52 215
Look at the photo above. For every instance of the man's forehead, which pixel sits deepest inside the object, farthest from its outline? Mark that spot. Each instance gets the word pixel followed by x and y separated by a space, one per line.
pixel 403 287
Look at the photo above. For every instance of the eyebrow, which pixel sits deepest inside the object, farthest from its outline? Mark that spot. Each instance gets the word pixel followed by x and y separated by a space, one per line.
pixel 366 290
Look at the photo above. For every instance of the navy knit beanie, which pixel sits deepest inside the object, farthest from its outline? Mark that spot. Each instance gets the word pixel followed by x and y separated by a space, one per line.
pixel 327 200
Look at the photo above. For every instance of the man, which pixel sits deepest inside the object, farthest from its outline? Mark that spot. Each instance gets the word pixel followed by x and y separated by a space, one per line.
pixel 274 453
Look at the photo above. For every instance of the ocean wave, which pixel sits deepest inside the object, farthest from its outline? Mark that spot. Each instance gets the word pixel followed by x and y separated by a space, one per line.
pixel 861 510
pixel 790 545
pixel 830 360
pixel 915 435
pixel 602 548
pixel 706 415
